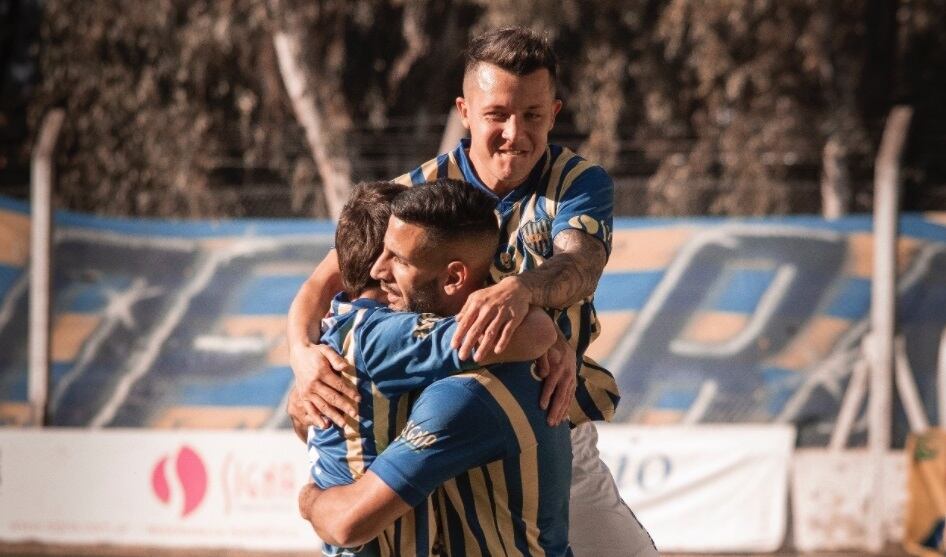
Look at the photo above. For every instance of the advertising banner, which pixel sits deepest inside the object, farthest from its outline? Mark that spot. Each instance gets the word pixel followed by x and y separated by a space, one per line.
pixel 154 488
pixel 832 489
pixel 704 488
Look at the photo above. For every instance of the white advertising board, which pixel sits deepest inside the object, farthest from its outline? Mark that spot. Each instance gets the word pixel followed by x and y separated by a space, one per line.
pixel 154 488
pixel 830 492
pixel 704 488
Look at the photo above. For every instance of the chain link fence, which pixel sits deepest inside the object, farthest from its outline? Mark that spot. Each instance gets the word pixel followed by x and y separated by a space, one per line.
pixel 254 188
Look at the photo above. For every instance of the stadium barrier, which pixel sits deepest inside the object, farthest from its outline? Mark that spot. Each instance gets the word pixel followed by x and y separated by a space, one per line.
pixel 710 488
pixel 173 489
pixel 163 324
pixel 230 489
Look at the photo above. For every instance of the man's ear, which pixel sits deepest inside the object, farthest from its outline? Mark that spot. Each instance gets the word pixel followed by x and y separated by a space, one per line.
pixel 457 277
pixel 463 109
pixel 556 108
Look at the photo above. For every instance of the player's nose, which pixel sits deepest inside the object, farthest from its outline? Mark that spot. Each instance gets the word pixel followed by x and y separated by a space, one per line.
pixel 379 271
pixel 511 129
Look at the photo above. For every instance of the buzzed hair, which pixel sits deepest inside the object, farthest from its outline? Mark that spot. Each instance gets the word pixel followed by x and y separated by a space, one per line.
pixel 359 235
pixel 448 210
pixel 517 50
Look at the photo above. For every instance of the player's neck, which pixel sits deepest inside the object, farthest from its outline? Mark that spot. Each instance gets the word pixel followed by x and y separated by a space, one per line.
pixel 373 293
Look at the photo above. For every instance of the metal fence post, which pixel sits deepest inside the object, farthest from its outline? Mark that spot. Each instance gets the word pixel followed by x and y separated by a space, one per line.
pixel 41 179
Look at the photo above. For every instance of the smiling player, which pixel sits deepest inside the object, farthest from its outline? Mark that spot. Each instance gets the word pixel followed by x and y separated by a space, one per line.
pixel 555 211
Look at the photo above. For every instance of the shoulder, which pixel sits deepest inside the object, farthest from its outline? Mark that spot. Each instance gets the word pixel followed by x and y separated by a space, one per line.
pixel 340 325
pixel 417 323
pixel 436 167
pixel 576 168
pixel 511 392
pixel 456 395
pixel 570 176
pixel 458 402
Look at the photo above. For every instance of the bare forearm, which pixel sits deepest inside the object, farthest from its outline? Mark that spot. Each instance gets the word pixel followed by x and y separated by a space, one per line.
pixel 333 520
pixel 570 275
pixel 354 514
pixel 312 302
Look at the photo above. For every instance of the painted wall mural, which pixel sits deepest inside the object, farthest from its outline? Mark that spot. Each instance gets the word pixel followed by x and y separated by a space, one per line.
pixel 181 324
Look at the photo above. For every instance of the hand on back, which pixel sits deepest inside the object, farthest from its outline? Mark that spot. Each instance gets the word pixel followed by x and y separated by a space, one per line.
pixel 324 393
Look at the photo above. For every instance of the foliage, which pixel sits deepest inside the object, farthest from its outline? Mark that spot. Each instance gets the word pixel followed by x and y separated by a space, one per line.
pixel 729 103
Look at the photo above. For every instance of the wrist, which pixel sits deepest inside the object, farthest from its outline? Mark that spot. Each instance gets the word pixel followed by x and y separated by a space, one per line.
pixel 519 288
pixel 300 343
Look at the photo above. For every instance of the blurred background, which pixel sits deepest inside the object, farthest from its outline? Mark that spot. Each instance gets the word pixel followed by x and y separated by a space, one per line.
pixel 189 203
pixel 695 107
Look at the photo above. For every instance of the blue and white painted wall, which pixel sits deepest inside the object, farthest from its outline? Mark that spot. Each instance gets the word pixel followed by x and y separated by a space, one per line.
pixel 181 324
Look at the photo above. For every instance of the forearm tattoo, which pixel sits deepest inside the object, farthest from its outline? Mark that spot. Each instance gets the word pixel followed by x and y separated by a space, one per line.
pixel 571 274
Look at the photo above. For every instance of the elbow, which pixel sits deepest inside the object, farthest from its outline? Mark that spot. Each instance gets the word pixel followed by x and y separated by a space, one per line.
pixel 547 338
pixel 345 530
pixel 544 333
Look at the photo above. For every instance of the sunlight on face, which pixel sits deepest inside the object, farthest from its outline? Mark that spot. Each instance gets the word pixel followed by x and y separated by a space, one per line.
pixel 408 275
pixel 509 118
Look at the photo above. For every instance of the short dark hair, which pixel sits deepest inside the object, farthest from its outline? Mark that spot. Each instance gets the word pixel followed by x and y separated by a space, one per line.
pixel 517 50
pixel 359 235
pixel 448 210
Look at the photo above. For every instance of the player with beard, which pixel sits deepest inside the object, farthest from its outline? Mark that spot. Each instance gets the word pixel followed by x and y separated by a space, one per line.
pixel 395 353
pixel 555 211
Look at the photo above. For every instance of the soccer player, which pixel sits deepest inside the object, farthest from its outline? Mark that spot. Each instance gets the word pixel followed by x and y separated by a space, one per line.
pixel 555 235
pixel 503 473
pixel 395 353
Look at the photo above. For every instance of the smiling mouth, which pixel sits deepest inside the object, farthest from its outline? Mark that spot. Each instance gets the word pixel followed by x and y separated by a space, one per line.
pixel 513 152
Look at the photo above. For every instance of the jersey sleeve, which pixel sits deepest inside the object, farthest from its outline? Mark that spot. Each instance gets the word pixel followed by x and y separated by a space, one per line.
pixel 403 351
pixel 404 179
pixel 587 205
pixel 450 430
pixel 430 170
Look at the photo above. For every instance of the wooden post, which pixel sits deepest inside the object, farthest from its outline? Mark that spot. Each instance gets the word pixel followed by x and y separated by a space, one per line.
pixel 41 181
pixel 883 310
pixel 835 180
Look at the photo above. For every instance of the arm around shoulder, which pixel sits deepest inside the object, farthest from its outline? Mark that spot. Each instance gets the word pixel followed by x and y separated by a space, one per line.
pixel 354 514
pixel 313 300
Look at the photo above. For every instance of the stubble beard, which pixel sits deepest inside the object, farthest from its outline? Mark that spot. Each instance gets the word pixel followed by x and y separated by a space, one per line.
pixel 426 298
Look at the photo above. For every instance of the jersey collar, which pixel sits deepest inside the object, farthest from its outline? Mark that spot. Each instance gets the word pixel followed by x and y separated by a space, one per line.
pixel 462 154
pixel 342 305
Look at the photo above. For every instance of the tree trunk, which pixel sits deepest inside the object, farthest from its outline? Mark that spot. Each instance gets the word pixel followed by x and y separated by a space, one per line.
pixel 835 181
pixel 329 152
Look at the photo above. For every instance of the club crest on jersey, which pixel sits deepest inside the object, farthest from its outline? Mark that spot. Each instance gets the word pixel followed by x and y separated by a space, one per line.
pixel 425 324
pixel 537 236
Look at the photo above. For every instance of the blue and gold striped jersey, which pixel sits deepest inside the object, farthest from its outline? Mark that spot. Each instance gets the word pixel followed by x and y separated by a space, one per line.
pixel 392 354
pixel 499 473
pixel 563 192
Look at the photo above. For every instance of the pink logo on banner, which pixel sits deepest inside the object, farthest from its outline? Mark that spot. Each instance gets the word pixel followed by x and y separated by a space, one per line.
pixel 192 477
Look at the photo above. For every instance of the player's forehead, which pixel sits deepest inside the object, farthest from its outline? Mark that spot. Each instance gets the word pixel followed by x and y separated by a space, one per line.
pixel 486 84
pixel 404 239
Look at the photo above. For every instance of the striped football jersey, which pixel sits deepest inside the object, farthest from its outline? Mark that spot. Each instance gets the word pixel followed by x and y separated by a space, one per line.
pixel 563 192
pixel 392 354
pixel 499 473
